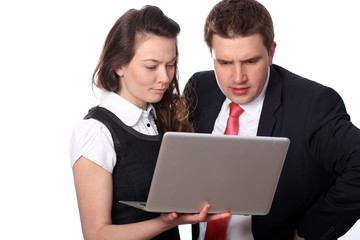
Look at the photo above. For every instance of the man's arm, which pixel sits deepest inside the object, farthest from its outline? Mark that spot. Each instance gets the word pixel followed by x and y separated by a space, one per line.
pixel 335 143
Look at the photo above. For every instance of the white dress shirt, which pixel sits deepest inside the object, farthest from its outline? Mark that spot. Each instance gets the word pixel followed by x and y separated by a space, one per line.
pixel 239 226
pixel 91 138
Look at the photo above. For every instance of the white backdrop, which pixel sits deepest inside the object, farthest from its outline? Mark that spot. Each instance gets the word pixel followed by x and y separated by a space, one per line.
pixel 48 51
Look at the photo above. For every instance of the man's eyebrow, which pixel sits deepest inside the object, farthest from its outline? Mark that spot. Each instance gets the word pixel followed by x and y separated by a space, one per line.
pixel 223 60
pixel 251 59
pixel 244 60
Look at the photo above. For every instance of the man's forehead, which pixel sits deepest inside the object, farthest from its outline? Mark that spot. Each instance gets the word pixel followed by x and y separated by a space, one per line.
pixel 239 47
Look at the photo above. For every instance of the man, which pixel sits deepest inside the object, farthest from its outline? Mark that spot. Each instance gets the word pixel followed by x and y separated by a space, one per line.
pixel 318 195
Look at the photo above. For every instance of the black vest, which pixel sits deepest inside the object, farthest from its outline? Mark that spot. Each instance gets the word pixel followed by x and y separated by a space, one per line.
pixel 136 155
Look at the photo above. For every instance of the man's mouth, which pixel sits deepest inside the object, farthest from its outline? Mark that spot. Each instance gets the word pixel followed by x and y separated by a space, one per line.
pixel 240 91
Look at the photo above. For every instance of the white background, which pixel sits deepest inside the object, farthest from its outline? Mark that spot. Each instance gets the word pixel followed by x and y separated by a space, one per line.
pixel 48 51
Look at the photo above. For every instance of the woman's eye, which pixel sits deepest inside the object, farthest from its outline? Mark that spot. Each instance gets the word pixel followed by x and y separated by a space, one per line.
pixel 151 67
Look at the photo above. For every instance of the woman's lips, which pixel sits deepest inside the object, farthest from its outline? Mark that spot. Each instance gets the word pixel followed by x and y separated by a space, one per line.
pixel 160 90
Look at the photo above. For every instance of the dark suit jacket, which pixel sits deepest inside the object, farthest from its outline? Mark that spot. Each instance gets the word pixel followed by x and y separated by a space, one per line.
pixel 319 188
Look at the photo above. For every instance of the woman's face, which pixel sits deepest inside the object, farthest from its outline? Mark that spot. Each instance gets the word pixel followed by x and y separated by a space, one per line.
pixel 147 76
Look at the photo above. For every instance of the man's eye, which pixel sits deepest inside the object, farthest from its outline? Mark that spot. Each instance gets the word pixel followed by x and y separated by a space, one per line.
pixel 252 61
pixel 224 62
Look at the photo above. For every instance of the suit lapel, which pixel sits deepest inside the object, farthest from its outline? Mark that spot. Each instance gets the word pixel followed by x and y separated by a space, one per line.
pixel 271 103
pixel 211 110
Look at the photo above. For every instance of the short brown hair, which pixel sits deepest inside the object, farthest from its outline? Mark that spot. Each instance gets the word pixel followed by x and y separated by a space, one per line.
pixel 233 18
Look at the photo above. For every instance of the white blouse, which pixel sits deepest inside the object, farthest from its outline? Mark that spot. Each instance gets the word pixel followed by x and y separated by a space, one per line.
pixel 91 139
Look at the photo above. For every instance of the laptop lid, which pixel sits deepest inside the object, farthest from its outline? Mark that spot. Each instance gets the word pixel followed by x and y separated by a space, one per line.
pixel 234 173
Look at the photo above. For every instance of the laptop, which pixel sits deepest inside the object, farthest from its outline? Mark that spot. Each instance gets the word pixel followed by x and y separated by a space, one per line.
pixel 234 173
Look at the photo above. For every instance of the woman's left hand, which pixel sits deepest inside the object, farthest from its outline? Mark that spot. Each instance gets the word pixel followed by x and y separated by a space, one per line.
pixel 192 218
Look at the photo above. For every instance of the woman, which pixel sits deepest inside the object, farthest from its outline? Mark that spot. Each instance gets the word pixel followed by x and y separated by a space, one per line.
pixel 113 150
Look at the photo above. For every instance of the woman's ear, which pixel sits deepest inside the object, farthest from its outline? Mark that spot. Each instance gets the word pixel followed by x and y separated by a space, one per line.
pixel 119 71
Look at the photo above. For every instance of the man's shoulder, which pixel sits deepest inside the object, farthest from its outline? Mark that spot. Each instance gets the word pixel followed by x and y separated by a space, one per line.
pixel 203 75
pixel 295 86
pixel 291 79
pixel 202 85
pixel 204 80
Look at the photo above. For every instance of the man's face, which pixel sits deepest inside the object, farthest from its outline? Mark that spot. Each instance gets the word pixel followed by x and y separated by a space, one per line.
pixel 241 66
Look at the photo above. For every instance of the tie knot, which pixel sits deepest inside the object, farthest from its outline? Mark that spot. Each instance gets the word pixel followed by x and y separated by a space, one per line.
pixel 235 110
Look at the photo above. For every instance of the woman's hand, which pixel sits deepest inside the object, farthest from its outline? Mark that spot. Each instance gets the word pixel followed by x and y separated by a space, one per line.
pixel 296 236
pixel 175 219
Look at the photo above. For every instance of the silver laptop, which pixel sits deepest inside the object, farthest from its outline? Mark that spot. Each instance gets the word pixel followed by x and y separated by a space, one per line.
pixel 233 173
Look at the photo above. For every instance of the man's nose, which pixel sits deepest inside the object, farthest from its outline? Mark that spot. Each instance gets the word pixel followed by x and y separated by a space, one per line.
pixel 239 73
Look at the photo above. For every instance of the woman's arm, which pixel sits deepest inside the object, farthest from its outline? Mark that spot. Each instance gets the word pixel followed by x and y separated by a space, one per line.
pixel 94 193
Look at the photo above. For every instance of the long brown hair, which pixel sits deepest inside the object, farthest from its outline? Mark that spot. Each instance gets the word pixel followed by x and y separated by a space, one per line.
pixel 119 49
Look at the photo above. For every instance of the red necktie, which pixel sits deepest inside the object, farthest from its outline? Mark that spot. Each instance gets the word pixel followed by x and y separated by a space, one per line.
pixel 232 127
pixel 216 230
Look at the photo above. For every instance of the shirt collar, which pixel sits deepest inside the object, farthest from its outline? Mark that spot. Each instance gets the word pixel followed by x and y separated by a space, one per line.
pixel 254 107
pixel 127 112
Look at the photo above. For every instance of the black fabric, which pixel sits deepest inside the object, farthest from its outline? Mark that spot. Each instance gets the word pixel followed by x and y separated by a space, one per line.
pixel 319 188
pixel 136 158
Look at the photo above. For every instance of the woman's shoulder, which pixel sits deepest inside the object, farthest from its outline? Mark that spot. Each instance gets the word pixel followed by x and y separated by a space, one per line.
pixel 90 138
pixel 87 128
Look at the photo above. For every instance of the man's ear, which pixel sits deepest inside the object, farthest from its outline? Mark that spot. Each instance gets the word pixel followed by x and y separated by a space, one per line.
pixel 272 53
